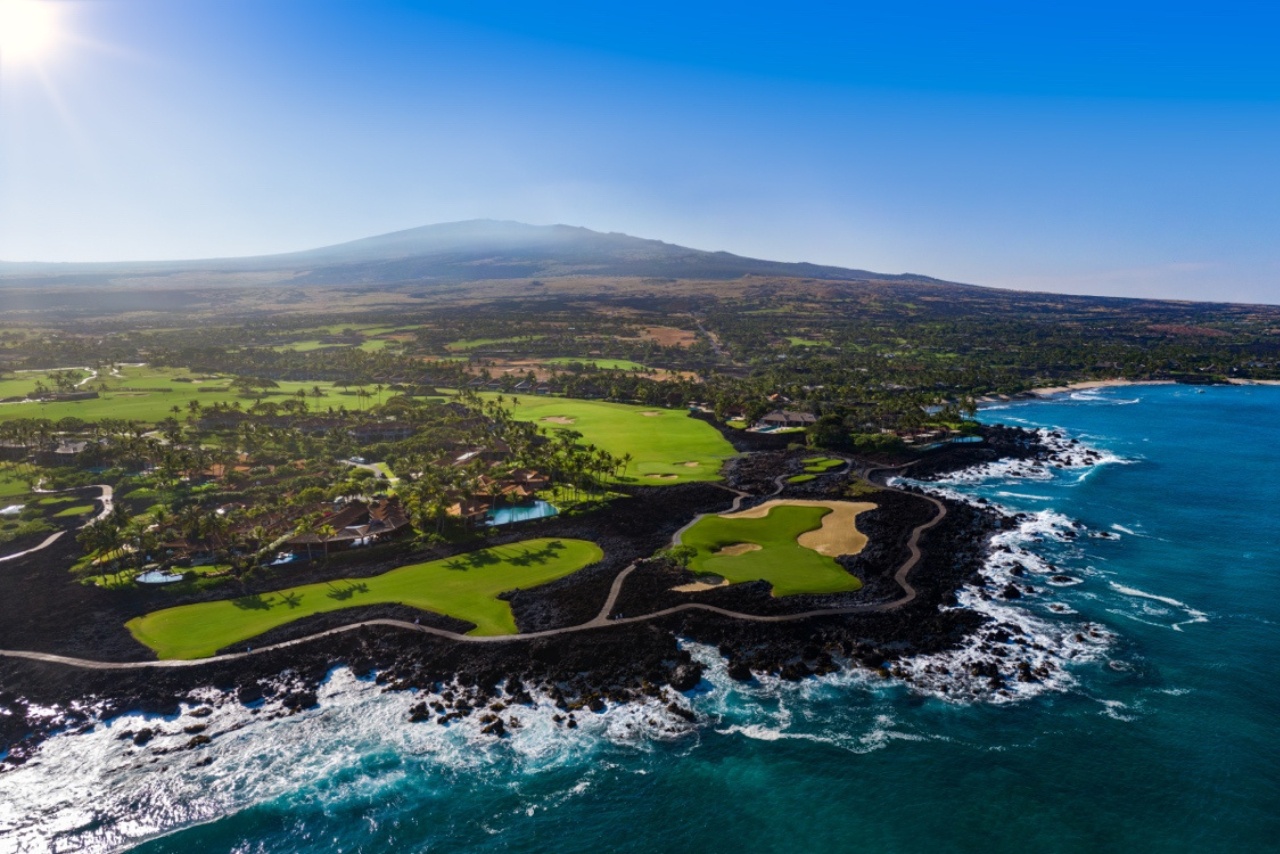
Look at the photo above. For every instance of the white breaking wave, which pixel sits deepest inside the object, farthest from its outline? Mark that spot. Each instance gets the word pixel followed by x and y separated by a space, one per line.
pixel 1030 654
pixel 1194 615
pixel 1062 454
pixel 98 791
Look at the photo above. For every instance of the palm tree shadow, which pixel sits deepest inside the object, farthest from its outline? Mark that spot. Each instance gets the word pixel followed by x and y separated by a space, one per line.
pixel 256 602
pixel 342 594
pixel 475 560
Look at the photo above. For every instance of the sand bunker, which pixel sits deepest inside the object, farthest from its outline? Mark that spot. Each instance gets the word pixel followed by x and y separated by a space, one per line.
pixel 737 549
pixel 692 464
pixel 699 586
pixel 839 534
pixel 559 419
pixel 651 414
pixel 663 476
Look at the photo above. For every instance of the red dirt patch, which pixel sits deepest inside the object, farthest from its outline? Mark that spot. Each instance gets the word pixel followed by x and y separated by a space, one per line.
pixel 669 336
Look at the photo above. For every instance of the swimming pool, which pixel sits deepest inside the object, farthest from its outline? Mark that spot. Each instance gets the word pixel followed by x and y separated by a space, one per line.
pixel 520 513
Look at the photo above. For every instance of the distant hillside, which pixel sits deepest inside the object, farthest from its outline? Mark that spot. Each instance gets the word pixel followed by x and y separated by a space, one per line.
pixel 446 253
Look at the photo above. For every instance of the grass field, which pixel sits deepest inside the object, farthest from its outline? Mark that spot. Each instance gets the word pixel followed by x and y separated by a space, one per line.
pixel 779 559
pixel 13 482
pixel 604 364
pixel 797 341
pixel 465 587
pixel 148 394
pixel 667 446
pixel 818 465
pixel 473 343
pixel 368 345
pixel 19 385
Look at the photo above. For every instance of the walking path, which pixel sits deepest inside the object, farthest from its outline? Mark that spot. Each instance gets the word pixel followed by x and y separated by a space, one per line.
pixel 601 620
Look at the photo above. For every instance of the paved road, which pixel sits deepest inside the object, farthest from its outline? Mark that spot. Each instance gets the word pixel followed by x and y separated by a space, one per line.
pixel 601 620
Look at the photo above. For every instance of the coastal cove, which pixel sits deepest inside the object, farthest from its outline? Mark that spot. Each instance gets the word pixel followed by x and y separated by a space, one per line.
pixel 1145 741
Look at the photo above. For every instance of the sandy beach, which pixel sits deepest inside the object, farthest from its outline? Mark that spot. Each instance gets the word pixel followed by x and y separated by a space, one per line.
pixel 1049 391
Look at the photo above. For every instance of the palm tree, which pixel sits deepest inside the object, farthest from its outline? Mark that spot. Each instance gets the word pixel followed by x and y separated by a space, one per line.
pixel 326 532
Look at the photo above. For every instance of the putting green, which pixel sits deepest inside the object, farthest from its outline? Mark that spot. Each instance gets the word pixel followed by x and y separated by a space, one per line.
pixel 465 587
pixel 662 442
pixel 780 559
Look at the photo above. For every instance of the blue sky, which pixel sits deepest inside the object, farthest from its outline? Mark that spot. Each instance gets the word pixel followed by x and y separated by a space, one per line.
pixel 1091 148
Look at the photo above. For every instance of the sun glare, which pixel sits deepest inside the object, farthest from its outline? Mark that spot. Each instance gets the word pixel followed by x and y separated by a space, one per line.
pixel 28 28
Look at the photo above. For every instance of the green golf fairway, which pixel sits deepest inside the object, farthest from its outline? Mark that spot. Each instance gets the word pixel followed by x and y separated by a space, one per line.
pixel 465 587
pixel 780 560
pixel 666 445
pixel 149 394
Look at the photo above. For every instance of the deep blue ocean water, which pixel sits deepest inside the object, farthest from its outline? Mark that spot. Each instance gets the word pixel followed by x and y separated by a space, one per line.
pixel 1159 735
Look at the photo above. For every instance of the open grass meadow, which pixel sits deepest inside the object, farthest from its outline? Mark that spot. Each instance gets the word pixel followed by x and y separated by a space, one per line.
pixel 147 394
pixel 465 587
pixel 778 559
pixel 667 446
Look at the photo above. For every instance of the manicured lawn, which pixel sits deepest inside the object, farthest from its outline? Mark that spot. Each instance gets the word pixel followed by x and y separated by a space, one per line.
pixel 367 345
pixel 19 385
pixel 78 510
pixel 661 442
pixel 801 478
pixel 788 566
pixel 13 482
pixel 465 587
pixel 818 465
pixel 148 394
pixel 305 346
pixel 473 343
pixel 797 341
pixel 604 364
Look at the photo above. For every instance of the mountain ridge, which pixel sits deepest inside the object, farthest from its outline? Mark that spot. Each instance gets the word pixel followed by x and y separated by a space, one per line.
pixel 470 250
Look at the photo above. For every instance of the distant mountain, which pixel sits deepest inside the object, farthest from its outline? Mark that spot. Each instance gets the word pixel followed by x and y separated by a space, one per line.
pixel 448 253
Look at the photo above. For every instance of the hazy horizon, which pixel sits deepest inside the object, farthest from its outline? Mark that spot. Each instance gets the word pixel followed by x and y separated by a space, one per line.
pixel 1110 150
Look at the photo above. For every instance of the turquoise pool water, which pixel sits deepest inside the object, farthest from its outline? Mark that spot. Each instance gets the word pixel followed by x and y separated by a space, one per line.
pixel 520 513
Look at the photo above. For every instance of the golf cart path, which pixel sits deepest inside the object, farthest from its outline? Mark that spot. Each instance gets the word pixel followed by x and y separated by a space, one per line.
pixel 107 498
pixel 601 620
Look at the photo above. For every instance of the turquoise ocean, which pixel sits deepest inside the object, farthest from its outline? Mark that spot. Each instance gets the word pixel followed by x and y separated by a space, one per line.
pixel 1158 732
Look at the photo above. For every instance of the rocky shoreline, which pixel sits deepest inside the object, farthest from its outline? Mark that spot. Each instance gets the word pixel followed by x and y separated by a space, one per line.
pixel 581 672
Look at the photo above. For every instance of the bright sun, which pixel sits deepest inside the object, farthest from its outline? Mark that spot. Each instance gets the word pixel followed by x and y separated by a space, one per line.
pixel 28 28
